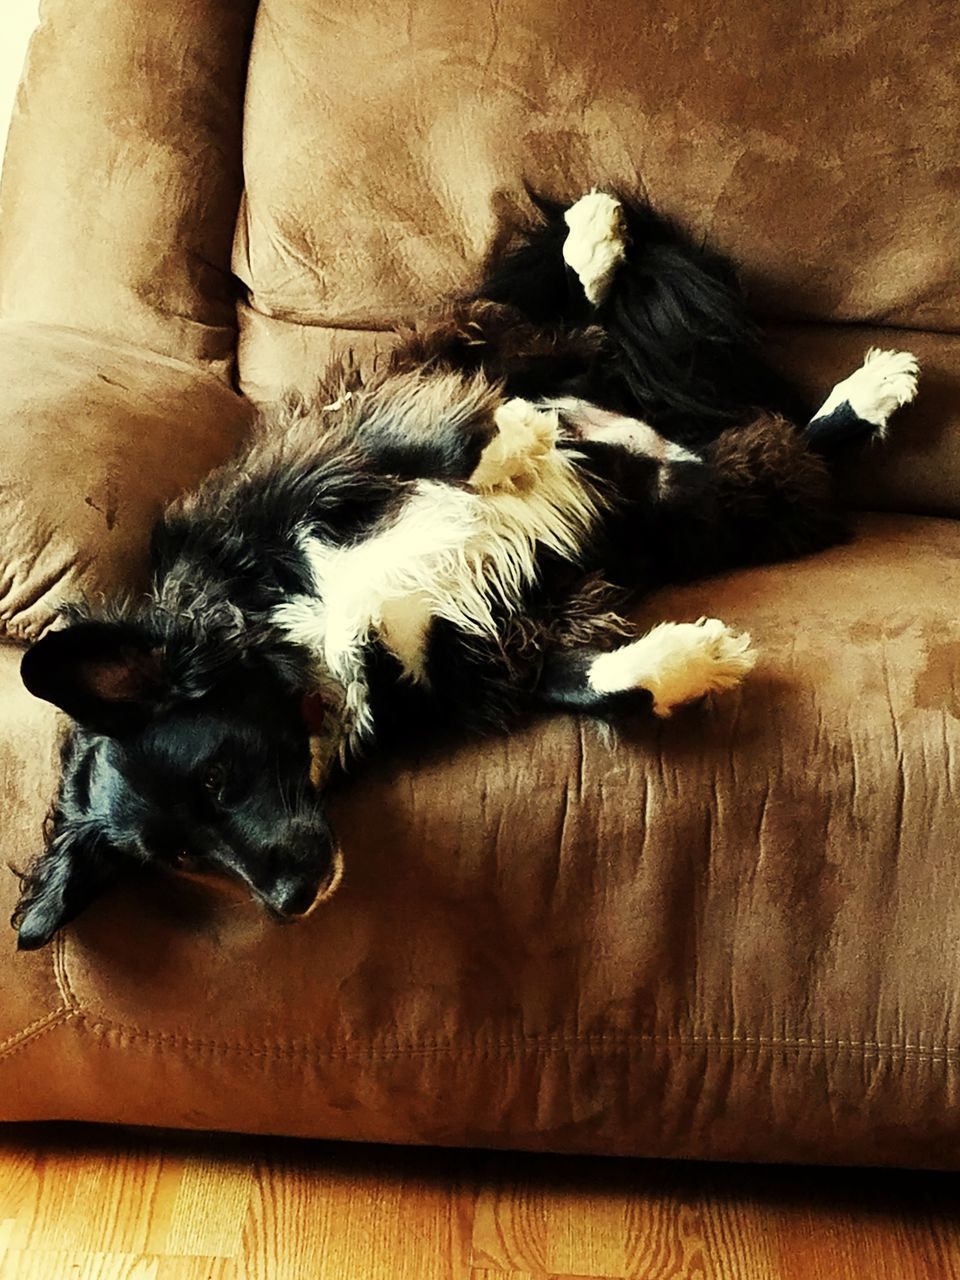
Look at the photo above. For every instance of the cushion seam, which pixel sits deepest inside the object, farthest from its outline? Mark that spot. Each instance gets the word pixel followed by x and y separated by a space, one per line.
pixel 15 1043
pixel 68 1008
pixel 61 975
pixel 304 320
pixel 103 1028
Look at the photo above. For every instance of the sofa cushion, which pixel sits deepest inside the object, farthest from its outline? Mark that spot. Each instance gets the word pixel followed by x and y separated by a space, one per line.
pixel 96 438
pixel 732 934
pixel 122 174
pixel 382 149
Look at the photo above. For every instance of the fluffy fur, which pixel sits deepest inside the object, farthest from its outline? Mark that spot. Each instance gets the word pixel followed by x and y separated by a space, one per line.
pixel 447 546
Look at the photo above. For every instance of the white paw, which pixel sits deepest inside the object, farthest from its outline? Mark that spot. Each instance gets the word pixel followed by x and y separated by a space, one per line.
pixel 885 381
pixel 677 662
pixel 595 245
pixel 515 456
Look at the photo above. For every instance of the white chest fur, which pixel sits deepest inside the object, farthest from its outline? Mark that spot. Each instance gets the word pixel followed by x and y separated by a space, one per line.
pixel 450 553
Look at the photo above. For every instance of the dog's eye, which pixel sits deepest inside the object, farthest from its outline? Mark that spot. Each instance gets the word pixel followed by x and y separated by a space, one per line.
pixel 215 778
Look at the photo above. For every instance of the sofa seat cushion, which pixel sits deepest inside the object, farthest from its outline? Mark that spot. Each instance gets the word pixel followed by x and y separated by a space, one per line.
pixel 732 934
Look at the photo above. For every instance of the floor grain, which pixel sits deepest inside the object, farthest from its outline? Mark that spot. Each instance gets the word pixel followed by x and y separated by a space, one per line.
pixel 97 1204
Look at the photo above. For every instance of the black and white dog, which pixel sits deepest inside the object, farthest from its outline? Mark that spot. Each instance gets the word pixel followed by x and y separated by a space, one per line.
pixel 450 544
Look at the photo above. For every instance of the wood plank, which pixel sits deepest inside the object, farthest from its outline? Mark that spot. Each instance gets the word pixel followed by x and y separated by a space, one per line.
pixel 328 1213
pixel 285 1233
pixel 484 1273
pixel 509 1230
pixel 587 1230
pixel 6 1235
pixel 38 1264
pixel 93 1200
pixel 210 1207
pixel 737 1235
pixel 667 1237
pixel 201 1269
pixel 823 1241
pixel 19 1165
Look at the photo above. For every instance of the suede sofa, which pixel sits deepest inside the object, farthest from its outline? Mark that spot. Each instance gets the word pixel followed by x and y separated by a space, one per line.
pixel 731 935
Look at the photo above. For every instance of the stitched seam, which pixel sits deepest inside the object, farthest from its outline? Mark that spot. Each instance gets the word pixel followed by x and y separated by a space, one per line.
pixel 13 1044
pixel 62 975
pixel 534 1044
pixel 68 1007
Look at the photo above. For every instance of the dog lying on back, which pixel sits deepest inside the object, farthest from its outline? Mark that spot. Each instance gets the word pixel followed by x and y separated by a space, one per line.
pixel 449 545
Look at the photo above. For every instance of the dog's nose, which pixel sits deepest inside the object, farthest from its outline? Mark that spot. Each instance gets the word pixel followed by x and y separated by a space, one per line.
pixel 292 898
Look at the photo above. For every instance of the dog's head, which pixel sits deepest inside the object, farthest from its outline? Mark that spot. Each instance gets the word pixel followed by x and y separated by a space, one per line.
pixel 191 750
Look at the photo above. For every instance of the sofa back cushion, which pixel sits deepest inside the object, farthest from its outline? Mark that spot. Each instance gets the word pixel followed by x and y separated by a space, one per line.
pixel 385 142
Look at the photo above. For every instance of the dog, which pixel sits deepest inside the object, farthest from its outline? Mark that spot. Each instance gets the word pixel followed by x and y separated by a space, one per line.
pixel 448 545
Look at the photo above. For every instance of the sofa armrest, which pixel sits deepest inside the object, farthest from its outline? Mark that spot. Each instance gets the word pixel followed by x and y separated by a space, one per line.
pixel 95 438
pixel 122 174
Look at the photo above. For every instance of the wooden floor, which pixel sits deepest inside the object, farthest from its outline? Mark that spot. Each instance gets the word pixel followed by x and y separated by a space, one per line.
pixel 88 1204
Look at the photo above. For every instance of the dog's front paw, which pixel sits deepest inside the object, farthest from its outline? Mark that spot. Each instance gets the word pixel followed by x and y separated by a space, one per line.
pixel 596 243
pixel 677 662
pixel 515 456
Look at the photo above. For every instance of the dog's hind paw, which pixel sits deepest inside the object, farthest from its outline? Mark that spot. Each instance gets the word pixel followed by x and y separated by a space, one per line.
pixel 889 382
pixel 596 243
pixel 677 662
pixel 515 456
pixel 884 382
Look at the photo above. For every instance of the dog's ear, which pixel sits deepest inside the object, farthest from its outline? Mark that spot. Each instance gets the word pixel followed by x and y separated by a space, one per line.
pixel 105 675
pixel 74 869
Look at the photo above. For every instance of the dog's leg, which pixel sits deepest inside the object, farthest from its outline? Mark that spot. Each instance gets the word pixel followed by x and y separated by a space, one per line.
pixel 514 458
pixel 596 242
pixel 676 662
pixel 465 335
pixel 530 359
pixel 764 496
pixel 458 430
pixel 859 408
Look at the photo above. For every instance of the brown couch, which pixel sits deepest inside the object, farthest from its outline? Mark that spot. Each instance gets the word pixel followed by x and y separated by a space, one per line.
pixel 735 934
